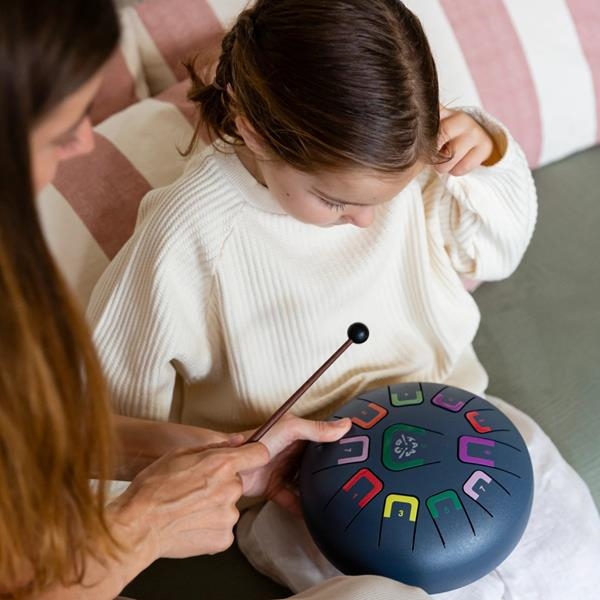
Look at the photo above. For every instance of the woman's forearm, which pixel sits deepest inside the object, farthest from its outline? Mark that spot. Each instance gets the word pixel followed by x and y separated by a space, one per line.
pixel 143 441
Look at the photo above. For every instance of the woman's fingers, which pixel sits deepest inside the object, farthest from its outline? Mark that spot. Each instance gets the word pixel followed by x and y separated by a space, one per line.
pixel 318 431
pixel 222 460
pixel 186 501
pixel 285 442
pixel 243 458
pixel 207 531
pixel 292 428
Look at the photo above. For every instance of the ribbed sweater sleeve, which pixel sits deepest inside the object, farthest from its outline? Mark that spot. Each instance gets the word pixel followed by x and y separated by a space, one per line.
pixel 153 311
pixel 487 216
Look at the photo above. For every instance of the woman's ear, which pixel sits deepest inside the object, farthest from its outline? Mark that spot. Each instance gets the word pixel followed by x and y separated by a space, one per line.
pixel 253 140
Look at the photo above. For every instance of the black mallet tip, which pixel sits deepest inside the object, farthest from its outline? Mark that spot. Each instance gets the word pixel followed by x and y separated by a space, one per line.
pixel 358 333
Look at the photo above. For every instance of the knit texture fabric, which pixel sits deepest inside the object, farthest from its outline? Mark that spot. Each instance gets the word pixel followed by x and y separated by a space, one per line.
pixel 243 302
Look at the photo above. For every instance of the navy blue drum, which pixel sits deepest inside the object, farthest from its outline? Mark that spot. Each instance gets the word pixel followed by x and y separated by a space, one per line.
pixel 432 486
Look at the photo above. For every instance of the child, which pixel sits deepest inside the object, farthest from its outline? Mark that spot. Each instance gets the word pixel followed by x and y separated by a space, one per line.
pixel 338 191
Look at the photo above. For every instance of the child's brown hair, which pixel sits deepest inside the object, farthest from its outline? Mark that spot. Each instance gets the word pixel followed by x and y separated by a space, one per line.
pixel 326 84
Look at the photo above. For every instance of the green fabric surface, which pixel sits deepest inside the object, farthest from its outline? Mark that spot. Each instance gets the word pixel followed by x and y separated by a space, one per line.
pixel 539 340
pixel 539 337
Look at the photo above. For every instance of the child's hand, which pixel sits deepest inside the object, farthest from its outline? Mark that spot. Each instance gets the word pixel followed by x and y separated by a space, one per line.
pixel 285 449
pixel 466 142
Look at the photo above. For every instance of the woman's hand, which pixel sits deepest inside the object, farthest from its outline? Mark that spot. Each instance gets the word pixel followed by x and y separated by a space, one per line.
pixel 284 444
pixel 466 142
pixel 143 441
pixel 184 504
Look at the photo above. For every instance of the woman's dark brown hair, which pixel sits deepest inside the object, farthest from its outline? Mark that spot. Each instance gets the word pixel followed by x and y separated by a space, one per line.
pixel 327 84
pixel 54 418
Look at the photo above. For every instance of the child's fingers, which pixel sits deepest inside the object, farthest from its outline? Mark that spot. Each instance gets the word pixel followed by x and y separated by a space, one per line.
pixel 455 125
pixel 444 112
pixel 455 149
pixel 452 129
pixel 289 501
pixel 291 429
pixel 443 143
pixel 471 160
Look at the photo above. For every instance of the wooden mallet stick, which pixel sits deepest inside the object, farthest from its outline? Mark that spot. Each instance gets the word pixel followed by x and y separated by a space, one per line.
pixel 358 333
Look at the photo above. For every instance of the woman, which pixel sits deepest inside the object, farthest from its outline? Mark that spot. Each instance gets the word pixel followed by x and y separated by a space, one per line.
pixel 57 537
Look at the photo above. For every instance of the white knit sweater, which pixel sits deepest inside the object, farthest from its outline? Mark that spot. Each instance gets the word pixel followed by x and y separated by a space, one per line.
pixel 243 302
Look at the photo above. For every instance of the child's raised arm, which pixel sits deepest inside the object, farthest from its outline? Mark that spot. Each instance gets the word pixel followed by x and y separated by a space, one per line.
pixel 485 214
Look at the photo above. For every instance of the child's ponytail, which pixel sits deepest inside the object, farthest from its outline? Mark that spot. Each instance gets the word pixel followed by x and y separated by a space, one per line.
pixel 327 85
pixel 216 99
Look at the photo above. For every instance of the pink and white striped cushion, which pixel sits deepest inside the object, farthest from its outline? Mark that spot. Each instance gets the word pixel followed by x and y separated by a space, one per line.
pixel 90 209
pixel 535 64
pixel 124 80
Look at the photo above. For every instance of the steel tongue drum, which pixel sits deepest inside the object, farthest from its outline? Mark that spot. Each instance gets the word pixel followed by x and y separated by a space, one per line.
pixel 432 486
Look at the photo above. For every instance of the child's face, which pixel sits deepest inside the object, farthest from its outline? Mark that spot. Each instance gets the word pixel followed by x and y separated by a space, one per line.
pixel 332 197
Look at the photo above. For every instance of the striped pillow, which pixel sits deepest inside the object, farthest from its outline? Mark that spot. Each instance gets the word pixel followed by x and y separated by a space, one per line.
pixel 534 64
pixel 90 209
pixel 124 80
pixel 155 36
